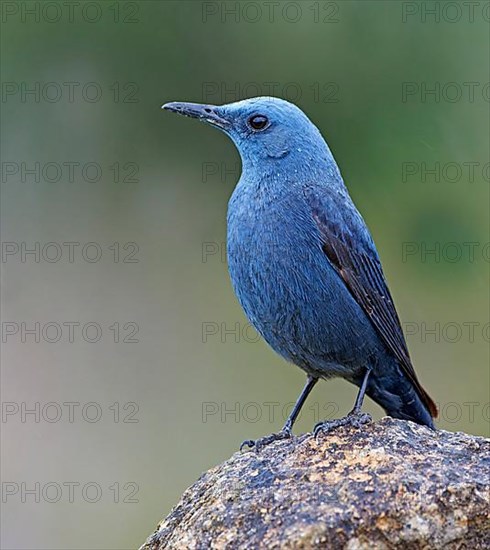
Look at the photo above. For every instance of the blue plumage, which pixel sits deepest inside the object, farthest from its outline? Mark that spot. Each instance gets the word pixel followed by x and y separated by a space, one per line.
pixel 302 261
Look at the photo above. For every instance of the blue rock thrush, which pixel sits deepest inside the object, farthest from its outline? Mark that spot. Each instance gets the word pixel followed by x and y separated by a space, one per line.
pixel 304 266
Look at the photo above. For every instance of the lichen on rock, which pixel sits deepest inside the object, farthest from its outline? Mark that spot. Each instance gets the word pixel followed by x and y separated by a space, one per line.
pixel 391 484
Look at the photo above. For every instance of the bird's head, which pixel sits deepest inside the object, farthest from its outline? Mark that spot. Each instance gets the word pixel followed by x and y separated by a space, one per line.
pixel 264 129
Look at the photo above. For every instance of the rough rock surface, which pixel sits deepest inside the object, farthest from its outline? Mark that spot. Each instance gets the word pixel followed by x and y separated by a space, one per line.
pixel 393 484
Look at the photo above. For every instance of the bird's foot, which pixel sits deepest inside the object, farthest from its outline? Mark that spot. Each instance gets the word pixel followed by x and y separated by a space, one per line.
pixel 259 444
pixel 355 419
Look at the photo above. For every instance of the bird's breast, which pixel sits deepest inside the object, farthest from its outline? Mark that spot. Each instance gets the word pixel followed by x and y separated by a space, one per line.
pixel 271 246
pixel 287 287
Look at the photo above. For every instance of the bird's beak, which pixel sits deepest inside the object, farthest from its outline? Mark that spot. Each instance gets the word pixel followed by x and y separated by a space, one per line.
pixel 205 113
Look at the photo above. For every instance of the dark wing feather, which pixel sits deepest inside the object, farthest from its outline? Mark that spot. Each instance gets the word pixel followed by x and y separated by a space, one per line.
pixel 351 251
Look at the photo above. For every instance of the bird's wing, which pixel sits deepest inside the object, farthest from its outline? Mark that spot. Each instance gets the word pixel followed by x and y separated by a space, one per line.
pixel 351 250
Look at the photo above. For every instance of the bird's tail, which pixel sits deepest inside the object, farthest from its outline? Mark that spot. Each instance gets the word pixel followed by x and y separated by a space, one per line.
pixel 398 396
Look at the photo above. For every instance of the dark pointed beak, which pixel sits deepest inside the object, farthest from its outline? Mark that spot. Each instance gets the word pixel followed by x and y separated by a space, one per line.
pixel 205 113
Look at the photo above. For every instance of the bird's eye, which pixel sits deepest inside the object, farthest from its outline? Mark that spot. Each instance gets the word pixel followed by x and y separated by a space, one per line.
pixel 258 122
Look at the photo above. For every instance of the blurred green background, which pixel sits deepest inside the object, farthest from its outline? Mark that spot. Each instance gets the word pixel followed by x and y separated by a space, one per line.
pixel 154 413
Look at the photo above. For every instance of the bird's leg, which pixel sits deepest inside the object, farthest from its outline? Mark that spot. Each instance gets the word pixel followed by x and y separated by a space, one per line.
pixel 286 432
pixel 355 418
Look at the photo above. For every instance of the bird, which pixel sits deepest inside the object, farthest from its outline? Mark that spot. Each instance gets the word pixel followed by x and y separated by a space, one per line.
pixel 304 266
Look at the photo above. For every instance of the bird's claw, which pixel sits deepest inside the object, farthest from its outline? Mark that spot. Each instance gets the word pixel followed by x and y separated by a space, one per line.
pixel 259 444
pixel 352 419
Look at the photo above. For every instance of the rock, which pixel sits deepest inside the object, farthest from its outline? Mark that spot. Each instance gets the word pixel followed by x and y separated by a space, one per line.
pixel 392 484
